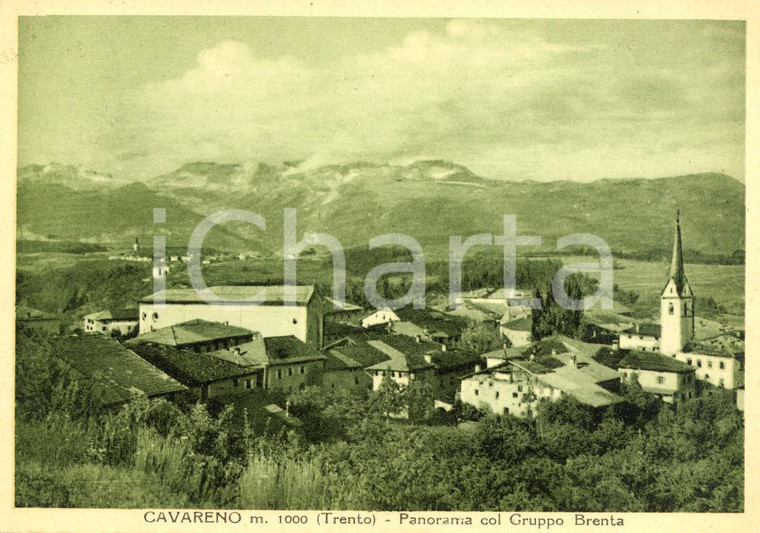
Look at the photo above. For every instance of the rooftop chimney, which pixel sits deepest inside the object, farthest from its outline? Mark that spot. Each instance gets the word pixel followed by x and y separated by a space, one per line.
pixel 428 358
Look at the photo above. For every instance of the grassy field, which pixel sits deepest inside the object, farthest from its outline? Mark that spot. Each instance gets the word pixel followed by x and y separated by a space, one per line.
pixel 115 282
pixel 724 283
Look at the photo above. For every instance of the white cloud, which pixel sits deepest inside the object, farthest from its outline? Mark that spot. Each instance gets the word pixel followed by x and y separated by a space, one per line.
pixel 506 103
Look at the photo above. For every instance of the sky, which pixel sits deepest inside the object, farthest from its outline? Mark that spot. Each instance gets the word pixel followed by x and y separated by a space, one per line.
pixel 509 98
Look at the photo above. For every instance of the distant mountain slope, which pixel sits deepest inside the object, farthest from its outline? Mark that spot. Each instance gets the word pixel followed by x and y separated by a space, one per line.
pixel 429 200
pixel 106 215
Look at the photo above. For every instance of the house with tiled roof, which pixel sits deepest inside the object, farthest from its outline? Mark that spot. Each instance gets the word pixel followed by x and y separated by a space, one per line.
pixel 551 368
pixel 117 373
pixel 641 336
pixel 197 335
pixel 718 360
pixel 272 363
pixel 292 364
pixel 122 321
pixel 402 364
pixel 431 326
pixel 518 331
pixel 671 380
pixel 207 375
pixel 272 310
pixel 343 372
pixel 37 320
pixel 376 317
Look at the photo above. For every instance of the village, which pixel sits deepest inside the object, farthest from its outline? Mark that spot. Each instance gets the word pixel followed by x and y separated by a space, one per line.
pixel 175 343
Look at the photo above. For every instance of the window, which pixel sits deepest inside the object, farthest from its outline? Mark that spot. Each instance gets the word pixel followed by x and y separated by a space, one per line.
pixel 393 374
pixel 235 382
pixel 686 309
pixel 356 380
pixel 290 370
pixel 699 363
pixel 514 395
pixel 709 364
pixel 104 328
pixel 155 316
pixel 279 374
pixel 519 388
pixel 722 364
pixel 144 316
pixel 303 369
pixel 689 361
pixel 477 392
pixel 295 321
pixel 660 380
pixel 670 306
pixel 497 395
pixel 247 383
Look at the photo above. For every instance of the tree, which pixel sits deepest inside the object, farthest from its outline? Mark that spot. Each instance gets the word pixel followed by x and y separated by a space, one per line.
pixel 420 399
pixel 480 337
pixel 551 318
pixel 390 397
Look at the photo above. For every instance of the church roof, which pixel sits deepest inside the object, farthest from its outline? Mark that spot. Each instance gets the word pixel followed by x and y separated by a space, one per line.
pixel 676 264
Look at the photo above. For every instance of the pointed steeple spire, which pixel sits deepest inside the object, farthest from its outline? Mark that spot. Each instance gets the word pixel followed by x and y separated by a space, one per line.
pixel 676 265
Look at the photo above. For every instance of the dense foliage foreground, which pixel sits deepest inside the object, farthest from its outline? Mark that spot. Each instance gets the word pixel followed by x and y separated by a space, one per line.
pixel 640 456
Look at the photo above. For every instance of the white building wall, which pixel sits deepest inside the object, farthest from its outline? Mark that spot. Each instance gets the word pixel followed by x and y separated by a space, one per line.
pixel 635 341
pixel 718 371
pixel 501 396
pixel 381 316
pixel 402 378
pixel 668 384
pixel 97 326
pixel 269 320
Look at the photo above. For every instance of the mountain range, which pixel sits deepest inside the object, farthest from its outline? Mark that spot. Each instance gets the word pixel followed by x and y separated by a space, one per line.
pixel 428 200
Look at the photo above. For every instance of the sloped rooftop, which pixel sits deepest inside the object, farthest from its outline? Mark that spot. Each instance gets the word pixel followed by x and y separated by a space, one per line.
pixel 646 330
pixel 653 361
pixel 119 373
pixel 288 349
pixel 519 324
pixel 28 313
pixel 234 294
pixel 398 361
pixel 191 368
pixel 193 332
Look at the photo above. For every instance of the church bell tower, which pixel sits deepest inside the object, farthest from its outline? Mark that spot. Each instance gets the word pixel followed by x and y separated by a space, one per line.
pixel 676 303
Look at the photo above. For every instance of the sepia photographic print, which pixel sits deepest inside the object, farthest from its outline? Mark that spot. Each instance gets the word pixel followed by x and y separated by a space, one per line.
pixel 397 270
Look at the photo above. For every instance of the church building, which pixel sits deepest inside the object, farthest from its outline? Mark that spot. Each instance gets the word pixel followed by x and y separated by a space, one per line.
pixel 676 303
pixel 719 360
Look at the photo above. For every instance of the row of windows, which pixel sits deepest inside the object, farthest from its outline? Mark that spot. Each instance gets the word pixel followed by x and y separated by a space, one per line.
pixel 301 370
pixel 393 374
pixel 721 364
pixel 497 394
